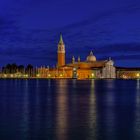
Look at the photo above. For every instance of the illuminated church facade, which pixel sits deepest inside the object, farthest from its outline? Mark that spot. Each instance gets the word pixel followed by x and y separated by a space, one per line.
pixel 91 68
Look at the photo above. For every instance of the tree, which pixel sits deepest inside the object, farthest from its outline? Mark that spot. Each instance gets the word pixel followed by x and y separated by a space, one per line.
pixel 29 70
pixel 21 68
pixel 8 68
pixel 14 68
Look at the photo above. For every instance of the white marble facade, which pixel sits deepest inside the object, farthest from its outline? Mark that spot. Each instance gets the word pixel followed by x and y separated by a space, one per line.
pixel 109 71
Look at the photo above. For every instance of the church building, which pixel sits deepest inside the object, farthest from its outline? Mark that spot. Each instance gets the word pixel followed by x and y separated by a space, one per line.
pixel 87 69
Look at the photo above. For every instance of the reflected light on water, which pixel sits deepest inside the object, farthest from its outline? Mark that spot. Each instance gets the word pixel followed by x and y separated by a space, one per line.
pixel 62 109
pixel 110 83
pixel 110 91
pixel 70 109
pixel 138 84
pixel 49 83
pixel 137 112
pixel 138 92
pixel 74 83
pixel 25 120
pixel 49 105
pixel 92 111
pixel 37 104
pixel 107 111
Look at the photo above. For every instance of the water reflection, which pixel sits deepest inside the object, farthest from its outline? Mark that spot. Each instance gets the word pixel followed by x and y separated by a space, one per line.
pixel 138 92
pixel 106 109
pixel 92 112
pixel 70 109
pixel 137 112
pixel 74 83
pixel 25 111
pixel 110 110
pixel 62 110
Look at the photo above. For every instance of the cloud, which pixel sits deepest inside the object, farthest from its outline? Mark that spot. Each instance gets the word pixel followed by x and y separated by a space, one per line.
pixel 95 18
pixel 119 48
pixel 107 33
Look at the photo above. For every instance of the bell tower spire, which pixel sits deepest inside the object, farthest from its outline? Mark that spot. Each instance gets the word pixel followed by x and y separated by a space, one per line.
pixel 61 39
pixel 61 52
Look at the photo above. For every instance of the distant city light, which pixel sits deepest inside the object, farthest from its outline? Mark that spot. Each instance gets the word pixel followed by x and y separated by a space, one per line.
pixel 26 75
pixel 12 75
pixel 138 75
pixel 92 74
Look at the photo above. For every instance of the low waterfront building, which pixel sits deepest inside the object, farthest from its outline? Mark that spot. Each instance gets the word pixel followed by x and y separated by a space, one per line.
pixel 127 73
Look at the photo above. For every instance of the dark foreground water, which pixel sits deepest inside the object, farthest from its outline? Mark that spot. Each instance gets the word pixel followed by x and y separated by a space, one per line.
pixel 69 110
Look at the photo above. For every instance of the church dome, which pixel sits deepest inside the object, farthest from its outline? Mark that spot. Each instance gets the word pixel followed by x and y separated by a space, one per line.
pixel 91 57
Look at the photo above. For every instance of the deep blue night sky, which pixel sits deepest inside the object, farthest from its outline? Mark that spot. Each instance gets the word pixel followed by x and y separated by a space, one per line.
pixel 29 30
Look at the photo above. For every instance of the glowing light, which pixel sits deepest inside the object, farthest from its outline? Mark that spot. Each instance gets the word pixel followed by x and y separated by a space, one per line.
pixel 138 75
pixel 61 75
pixel 26 75
pixel 12 75
pixel 74 69
pixel 49 75
pixel 5 75
pixel 124 77
pixel 38 75
pixel 92 74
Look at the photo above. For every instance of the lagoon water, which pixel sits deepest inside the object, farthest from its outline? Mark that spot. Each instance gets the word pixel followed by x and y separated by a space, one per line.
pixel 69 109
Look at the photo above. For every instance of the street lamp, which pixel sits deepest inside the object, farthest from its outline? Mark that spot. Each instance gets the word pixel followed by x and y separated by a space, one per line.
pixel 138 75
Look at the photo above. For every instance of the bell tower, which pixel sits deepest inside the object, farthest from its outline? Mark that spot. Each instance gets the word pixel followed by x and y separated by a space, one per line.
pixel 61 52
